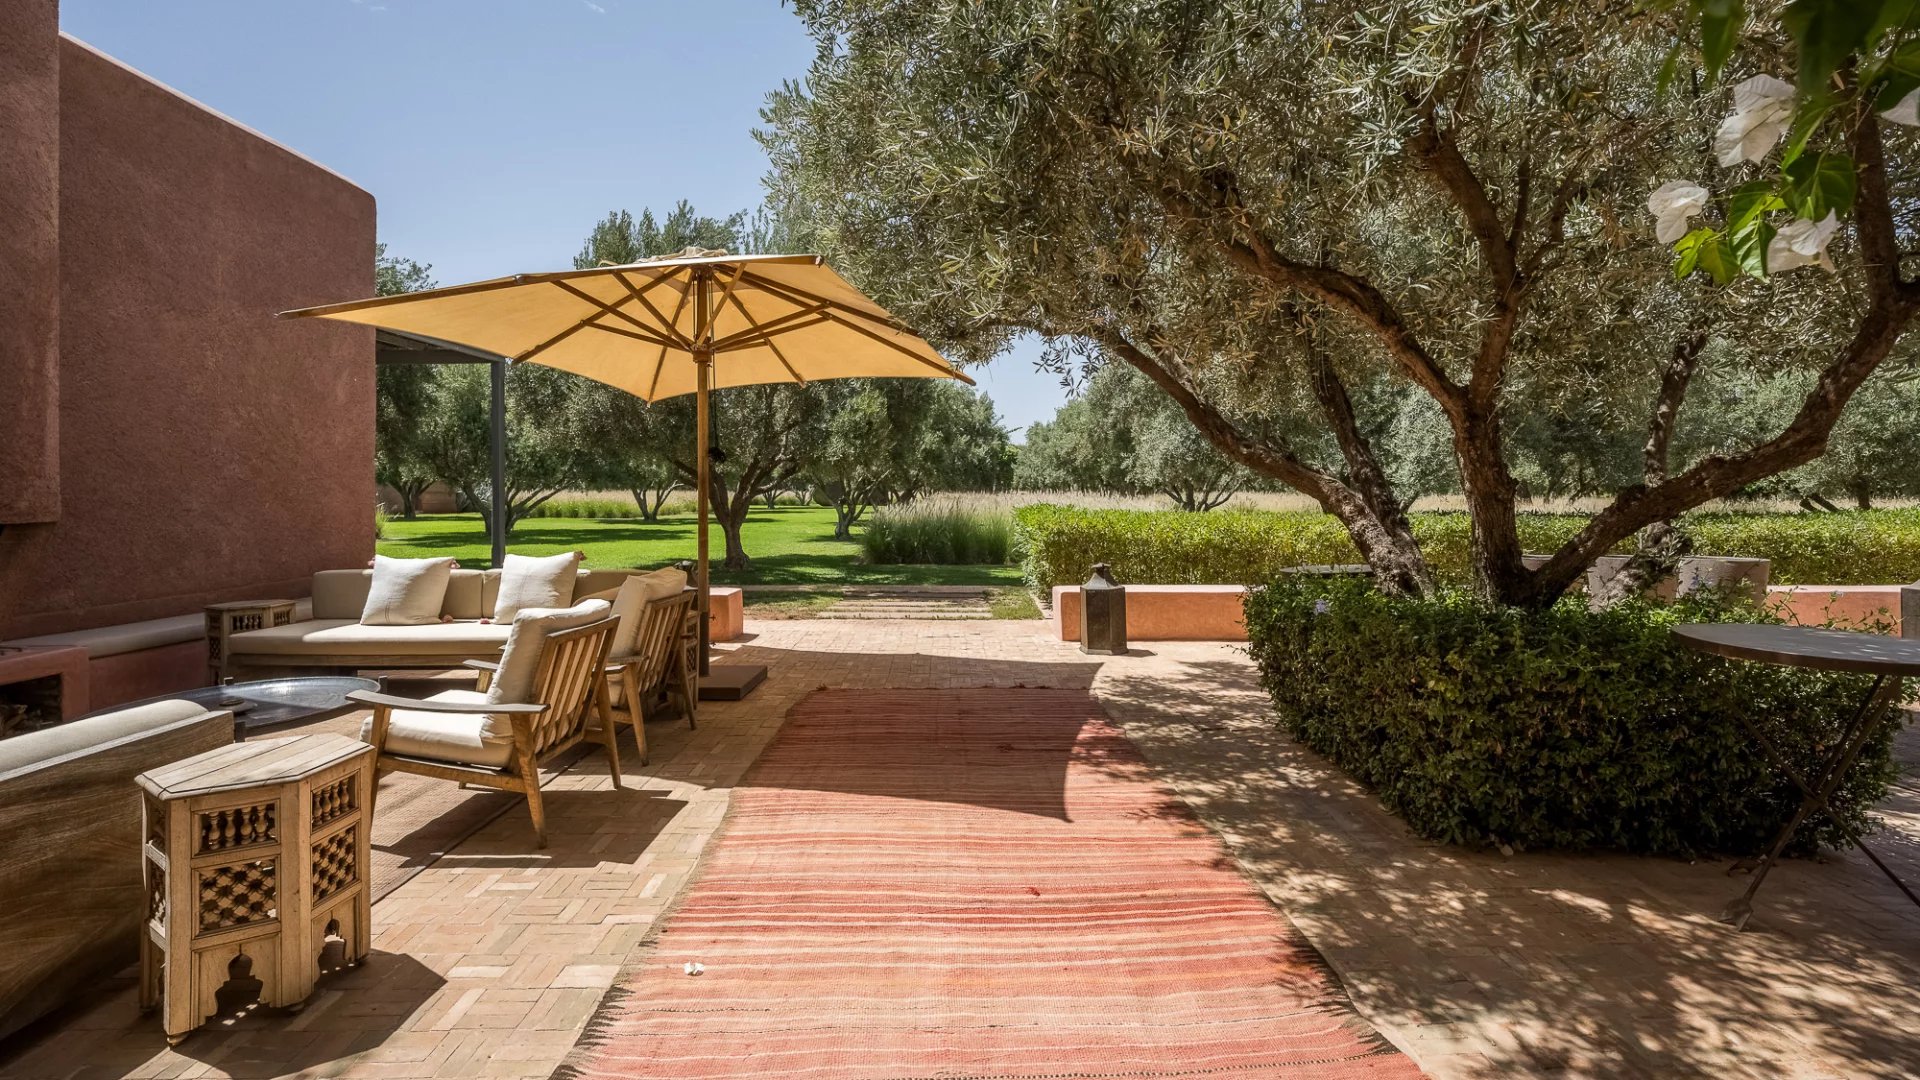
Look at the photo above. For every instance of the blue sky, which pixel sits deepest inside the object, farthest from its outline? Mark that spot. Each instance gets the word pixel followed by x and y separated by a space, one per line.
pixel 494 133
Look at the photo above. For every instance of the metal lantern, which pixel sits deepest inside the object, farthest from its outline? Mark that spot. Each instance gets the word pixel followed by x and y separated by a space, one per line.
pixel 1103 613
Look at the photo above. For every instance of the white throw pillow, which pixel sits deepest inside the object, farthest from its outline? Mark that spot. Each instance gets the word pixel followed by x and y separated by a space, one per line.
pixel 520 659
pixel 527 582
pixel 634 596
pixel 406 592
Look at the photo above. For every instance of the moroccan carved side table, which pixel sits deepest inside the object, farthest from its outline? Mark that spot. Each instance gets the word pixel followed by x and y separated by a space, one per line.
pixel 226 620
pixel 256 862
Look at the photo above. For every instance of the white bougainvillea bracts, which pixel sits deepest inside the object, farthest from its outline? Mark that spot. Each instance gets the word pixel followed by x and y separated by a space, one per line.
pixel 1762 112
pixel 1671 204
pixel 1803 243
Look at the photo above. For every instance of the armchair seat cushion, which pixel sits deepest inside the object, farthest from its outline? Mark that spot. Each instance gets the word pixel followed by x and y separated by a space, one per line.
pixel 345 636
pixel 455 738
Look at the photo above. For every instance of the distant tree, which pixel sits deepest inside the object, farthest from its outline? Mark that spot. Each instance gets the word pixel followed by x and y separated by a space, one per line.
pixel 402 395
pixel 550 450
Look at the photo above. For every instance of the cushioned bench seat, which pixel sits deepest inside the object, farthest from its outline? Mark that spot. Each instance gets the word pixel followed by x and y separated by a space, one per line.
pixel 126 637
pixel 334 637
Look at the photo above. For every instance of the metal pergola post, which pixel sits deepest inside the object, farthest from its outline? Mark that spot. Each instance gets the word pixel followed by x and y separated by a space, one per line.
pixel 396 347
pixel 497 447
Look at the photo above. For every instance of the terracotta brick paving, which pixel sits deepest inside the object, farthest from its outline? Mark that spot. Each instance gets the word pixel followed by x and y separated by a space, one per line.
pixel 490 961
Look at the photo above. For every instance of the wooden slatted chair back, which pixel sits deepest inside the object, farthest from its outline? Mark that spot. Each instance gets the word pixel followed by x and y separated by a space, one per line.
pixel 570 666
pixel 656 643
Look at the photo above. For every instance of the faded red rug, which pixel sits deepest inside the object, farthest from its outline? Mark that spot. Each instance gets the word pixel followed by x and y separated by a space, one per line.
pixel 971 884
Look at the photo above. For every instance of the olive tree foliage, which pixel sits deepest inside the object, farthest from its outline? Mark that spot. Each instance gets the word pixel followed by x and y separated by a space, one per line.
pixel 887 440
pixel 1123 434
pixel 403 394
pixel 1252 201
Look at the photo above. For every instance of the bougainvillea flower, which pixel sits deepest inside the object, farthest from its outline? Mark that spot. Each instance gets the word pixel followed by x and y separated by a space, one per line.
pixel 1671 204
pixel 1802 243
pixel 1762 111
pixel 1906 110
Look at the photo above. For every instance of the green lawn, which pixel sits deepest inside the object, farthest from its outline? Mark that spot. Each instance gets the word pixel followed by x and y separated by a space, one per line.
pixel 790 545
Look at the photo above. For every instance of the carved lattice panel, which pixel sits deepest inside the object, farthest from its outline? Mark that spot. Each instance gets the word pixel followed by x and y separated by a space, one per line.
pixel 331 801
pixel 238 827
pixel 334 864
pixel 156 895
pixel 238 895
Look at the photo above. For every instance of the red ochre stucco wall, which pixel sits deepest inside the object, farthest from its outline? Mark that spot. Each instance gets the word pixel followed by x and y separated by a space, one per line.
pixel 207 451
pixel 29 260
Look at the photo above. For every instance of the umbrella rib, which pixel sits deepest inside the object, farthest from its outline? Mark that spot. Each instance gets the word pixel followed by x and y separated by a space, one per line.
pixel 610 309
pixel 775 349
pixel 623 332
pixel 678 339
pixel 765 328
pixel 726 294
pixel 801 298
pixel 899 348
pixel 747 339
pixel 673 325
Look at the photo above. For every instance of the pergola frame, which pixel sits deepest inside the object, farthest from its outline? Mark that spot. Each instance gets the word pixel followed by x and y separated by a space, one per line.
pixel 398 347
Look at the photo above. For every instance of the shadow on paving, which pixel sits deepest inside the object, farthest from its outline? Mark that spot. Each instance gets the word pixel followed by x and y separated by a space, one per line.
pixel 1484 965
pixel 244 1039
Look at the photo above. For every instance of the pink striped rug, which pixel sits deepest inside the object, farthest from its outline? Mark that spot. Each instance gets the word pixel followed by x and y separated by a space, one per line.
pixel 970 884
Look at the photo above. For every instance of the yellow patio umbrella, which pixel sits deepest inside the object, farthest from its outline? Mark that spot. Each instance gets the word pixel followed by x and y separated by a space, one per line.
pixel 686 324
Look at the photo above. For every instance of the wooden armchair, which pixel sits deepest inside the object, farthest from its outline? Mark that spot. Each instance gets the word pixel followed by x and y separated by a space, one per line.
pixel 462 735
pixel 664 658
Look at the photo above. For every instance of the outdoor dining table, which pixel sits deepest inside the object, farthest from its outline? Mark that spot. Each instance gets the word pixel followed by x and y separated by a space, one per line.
pixel 1887 659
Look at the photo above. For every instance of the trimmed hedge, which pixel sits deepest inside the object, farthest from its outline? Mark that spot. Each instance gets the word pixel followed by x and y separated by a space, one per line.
pixel 1557 729
pixel 1236 547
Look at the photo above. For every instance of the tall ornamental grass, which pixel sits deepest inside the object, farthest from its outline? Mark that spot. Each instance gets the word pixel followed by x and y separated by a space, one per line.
pixel 946 529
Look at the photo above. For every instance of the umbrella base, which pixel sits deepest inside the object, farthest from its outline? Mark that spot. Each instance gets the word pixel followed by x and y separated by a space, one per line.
pixel 731 682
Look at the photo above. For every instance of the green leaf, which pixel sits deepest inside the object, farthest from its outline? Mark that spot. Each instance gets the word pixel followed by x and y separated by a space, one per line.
pixel 1750 248
pixel 1751 202
pixel 1687 249
pixel 1896 15
pixel 1828 31
pixel 1718 260
pixel 1820 183
pixel 1747 230
pixel 1813 109
pixel 1899 74
pixel 1720 24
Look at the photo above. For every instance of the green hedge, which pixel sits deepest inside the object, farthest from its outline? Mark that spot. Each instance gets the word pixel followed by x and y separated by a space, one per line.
pixel 1557 729
pixel 1236 547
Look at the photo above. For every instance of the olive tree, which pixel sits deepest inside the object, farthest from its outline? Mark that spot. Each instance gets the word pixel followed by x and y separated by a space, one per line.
pixel 1257 199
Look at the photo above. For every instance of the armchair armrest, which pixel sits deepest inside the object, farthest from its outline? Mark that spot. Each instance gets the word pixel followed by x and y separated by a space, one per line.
pixel 368 697
pixel 480 665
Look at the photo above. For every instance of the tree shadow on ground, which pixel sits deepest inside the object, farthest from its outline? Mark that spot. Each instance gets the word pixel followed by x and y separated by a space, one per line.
pixel 1487 965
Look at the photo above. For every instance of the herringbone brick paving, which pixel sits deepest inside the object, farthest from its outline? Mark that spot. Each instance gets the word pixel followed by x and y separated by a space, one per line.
pixel 490 962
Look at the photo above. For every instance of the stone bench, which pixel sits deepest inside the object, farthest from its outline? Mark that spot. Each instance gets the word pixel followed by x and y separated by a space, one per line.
pixel 131 661
pixel 1165 612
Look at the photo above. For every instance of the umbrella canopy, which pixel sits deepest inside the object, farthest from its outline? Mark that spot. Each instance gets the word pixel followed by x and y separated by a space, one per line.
pixel 765 319
pixel 686 324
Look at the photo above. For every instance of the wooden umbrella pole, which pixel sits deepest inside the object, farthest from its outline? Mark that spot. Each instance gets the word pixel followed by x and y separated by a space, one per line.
pixel 703 468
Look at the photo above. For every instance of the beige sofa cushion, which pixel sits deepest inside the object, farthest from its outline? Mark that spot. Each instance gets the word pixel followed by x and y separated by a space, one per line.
pixel 520 660
pixel 527 582
pixel 406 592
pixel 342 594
pixel 476 738
pixel 333 637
